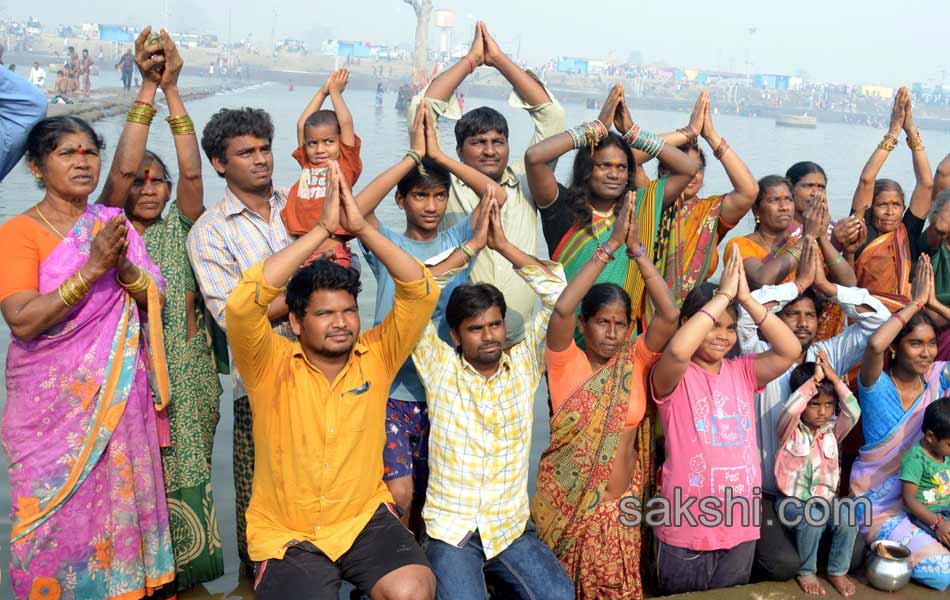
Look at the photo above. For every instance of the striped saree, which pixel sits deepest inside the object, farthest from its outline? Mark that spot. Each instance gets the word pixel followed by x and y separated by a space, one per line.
pixel 579 244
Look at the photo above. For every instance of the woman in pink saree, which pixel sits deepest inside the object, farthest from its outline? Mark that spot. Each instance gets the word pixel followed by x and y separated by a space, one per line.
pixel 893 400
pixel 80 425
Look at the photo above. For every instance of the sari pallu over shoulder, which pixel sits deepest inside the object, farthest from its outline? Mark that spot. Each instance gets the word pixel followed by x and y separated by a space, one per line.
pixel 884 266
pixel 875 478
pixel 686 253
pixel 67 389
pixel 577 247
pixel 600 553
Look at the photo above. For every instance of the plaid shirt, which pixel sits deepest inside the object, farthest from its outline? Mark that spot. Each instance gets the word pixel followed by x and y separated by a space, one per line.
pixel 806 465
pixel 481 430
pixel 225 241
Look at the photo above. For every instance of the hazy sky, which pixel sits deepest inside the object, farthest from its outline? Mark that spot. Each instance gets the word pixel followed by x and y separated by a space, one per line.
pixel 833 40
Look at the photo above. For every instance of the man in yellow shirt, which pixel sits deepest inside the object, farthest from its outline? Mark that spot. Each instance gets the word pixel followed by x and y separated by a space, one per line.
pixel 319 509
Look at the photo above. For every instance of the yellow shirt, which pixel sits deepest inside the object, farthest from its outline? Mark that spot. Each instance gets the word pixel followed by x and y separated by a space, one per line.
pixel 318 445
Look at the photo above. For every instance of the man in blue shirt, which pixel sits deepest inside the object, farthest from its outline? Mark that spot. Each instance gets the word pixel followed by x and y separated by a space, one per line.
pixel 422 190
pixel 22 105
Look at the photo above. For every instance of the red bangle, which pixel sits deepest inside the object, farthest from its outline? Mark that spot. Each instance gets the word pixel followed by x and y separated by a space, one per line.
pixel 903 321
pixel 706 312
pixel 143 103
pixel 799 287
pixel 721 149
pixel 936 523
pixel 470 62
pixel 764 317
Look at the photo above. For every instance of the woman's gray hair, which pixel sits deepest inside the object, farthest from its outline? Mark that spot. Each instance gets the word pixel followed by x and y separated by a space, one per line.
pixel 940 200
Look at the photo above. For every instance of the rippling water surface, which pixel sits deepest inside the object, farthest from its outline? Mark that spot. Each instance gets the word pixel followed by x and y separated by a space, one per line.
pixel 840 149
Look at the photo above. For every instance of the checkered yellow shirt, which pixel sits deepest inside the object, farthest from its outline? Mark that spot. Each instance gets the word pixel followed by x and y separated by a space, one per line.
pixel 480 434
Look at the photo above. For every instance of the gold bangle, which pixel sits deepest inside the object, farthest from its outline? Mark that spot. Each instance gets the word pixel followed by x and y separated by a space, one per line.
pixel 888 143
pixel 915 143
pixel 73 289
pixel 181 125
pixel 76 287
pixel 70 301
pixel 80 282
pixel 141 114
pixel 141 283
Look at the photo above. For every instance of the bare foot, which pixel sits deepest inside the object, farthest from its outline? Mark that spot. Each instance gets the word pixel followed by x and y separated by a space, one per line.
pixel 811 586
pixel 843 584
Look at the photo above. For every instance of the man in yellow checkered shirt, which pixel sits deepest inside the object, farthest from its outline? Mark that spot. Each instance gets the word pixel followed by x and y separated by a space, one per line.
pixel 481 401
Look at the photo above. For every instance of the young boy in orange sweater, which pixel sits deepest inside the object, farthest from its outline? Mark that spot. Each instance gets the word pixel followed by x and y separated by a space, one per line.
pixel 322 136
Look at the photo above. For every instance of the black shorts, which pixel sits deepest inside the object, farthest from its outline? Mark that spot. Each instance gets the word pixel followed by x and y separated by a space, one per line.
pixel 383 546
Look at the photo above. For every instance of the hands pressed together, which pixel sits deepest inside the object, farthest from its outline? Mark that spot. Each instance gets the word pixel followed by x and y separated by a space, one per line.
pixel 109 251
pixel 485 50
pixel 157 58
pixel 424 136
pixel 339 207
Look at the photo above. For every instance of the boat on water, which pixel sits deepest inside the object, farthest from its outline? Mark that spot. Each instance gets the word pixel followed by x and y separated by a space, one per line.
pixel 802 121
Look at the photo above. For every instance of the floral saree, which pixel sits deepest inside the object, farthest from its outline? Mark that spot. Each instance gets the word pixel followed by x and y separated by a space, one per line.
pixel 875 476
pixel 601 554
pixel 80 431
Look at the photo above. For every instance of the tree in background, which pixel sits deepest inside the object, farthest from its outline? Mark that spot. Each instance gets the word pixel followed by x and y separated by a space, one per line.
pixel 423 10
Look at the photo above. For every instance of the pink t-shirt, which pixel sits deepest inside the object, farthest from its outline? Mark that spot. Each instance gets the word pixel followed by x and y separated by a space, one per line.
pixel 709 426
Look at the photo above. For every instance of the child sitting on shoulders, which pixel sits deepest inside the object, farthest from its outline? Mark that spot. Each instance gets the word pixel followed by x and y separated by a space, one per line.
pixel 807 467
pixel 322 136
pixel 925 473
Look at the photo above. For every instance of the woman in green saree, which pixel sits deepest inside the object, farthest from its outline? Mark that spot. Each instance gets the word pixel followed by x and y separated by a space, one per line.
pixel 140 183
pixel 577 220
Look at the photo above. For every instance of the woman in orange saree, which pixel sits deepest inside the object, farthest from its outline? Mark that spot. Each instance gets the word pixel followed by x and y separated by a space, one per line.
pixel 600 437
pixel 884 265
pixel 770 254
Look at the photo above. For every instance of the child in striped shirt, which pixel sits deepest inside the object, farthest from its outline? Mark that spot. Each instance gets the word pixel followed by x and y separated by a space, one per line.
pixel 816 418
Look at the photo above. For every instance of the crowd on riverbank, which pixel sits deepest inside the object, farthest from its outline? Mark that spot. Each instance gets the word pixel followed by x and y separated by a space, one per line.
pixel 723 419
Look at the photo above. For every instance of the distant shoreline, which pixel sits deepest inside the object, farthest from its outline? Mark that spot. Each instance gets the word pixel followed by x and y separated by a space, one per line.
pixel 360 79
pixel 312 73
pixel 117 101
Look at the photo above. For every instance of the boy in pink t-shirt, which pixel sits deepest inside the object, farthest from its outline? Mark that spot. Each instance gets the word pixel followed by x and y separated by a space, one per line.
pixel 711 477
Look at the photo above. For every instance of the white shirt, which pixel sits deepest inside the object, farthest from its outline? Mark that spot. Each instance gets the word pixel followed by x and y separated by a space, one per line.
pixel 38 76
pixel 844 352
pixel 519 215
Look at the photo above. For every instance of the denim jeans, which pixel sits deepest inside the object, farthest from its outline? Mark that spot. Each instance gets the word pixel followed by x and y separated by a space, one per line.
pixel 842 530
pixel 681 570
pixel 527 570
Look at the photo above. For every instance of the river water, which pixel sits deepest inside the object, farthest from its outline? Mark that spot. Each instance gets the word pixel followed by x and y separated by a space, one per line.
pixel 841 149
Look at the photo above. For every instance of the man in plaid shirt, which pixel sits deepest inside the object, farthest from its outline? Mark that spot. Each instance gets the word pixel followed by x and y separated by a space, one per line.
pixel 481 402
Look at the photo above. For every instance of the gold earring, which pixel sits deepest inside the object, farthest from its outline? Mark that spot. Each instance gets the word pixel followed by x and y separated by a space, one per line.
pixel 756 219
pixel 893 354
